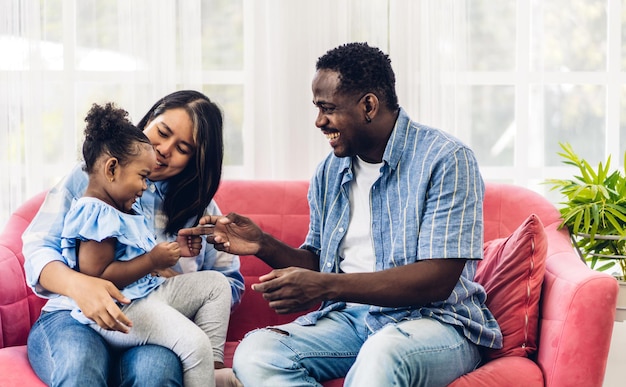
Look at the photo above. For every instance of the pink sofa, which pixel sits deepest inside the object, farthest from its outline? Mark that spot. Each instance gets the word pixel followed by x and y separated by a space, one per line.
pixel 577 305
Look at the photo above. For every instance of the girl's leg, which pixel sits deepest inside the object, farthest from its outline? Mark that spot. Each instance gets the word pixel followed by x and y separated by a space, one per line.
pixel 205 297
pixel 64 352
pixel 421 352
pixel 156 322
pixel 295 355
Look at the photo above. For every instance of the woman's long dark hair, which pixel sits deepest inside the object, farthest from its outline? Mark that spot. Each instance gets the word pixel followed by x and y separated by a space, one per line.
pixel 190 192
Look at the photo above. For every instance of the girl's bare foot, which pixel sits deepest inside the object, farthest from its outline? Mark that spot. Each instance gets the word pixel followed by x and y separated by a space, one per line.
pixel 225 377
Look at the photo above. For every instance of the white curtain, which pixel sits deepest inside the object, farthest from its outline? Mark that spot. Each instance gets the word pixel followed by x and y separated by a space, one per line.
pixel 421 37
pixel 60 56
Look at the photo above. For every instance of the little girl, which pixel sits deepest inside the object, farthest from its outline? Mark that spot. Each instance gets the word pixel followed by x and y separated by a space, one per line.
pixel 105 235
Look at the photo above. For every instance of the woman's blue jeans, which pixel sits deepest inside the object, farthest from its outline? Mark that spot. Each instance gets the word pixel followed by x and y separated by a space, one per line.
pixel 422 352
pixel 64 352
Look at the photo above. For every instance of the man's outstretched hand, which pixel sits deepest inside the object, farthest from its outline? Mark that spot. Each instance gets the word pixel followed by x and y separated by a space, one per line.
pixel 233 233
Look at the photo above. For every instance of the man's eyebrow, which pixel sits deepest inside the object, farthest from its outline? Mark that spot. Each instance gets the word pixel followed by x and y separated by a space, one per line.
pixel 320 103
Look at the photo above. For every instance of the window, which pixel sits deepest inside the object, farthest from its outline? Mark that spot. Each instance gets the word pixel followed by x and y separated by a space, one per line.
pixel 511 78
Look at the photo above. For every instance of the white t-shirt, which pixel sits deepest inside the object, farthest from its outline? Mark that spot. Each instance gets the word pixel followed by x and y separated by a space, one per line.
pixel 357 247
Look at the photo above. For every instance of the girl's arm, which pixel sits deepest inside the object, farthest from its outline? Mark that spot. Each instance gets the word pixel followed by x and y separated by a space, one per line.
pixel 97 259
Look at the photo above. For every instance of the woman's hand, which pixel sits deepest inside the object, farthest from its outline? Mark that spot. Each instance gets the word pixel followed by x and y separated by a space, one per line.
pixel 190 245
pixel 95 298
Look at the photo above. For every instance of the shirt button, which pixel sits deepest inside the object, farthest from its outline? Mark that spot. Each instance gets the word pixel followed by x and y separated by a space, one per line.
pixel 340 229
pixel 148 216
pixel 152 188
pixel 328 264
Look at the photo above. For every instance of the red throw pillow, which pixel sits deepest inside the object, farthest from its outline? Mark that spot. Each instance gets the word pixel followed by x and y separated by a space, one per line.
pixel 512 272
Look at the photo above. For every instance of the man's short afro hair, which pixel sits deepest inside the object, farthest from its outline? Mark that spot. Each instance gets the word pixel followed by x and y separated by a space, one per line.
pixel 362 69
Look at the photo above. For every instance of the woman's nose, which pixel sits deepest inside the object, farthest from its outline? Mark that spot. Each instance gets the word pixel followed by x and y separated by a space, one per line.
pixel 165 148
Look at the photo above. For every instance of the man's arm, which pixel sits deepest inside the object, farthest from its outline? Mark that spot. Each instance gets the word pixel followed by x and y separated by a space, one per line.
pixel 237 234
pixel 291 290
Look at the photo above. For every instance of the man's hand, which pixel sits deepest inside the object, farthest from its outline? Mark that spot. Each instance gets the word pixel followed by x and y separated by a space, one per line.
pixel 233 233
pixel 292 289
pixel 95 298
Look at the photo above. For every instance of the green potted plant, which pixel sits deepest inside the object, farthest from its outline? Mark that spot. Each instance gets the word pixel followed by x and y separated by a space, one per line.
pixel 594 211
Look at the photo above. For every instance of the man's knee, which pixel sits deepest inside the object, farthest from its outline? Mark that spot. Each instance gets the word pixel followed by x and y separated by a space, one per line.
pixel 259 347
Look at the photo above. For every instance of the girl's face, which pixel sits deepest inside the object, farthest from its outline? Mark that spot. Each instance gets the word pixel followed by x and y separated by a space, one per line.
pixel 171 133
pixel 129 181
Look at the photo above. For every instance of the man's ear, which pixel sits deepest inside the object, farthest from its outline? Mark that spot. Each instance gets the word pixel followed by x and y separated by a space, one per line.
pixel 110 168
pixel 371 103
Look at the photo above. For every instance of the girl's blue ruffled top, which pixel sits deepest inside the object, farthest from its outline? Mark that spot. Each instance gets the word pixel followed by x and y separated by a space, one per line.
pixel 91 219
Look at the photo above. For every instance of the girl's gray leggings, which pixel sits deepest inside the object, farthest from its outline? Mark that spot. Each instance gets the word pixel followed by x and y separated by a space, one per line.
pixel 189 314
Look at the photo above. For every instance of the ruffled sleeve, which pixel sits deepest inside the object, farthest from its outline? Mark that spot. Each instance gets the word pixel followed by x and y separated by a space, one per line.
pixel 90 219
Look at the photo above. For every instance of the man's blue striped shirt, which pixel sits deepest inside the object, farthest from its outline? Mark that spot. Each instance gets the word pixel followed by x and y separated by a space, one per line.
pixel 426 204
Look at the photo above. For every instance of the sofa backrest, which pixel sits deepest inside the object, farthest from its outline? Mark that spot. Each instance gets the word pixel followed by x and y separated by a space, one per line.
pixel 506 206
pixel 281 209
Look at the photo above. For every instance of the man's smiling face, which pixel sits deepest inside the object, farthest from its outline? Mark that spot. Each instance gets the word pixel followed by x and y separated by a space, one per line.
pixel 341 117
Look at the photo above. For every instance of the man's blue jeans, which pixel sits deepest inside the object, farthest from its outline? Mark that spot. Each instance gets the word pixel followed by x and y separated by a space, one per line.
pixel 421 352
pixel 64 352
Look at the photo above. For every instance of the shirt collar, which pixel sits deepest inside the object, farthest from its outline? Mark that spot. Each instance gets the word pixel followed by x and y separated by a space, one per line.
pixel 161 187
pixel 398 140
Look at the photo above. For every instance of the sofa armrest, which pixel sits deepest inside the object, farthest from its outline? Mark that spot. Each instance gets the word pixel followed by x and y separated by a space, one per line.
pixel 577 317
pixel 504 371
pixel 19 307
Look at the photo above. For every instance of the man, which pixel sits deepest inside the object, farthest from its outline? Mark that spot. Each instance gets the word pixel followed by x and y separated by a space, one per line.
pixel 395 236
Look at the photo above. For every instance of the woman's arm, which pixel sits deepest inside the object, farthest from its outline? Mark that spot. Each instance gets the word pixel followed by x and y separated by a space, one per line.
pixel 94 296
pixel 42 238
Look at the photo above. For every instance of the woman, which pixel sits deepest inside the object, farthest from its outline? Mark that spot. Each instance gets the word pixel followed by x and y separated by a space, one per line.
pixel 185 129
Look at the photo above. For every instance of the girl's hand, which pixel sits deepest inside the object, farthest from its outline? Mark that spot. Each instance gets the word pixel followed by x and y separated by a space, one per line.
pixel 165 273
pixel 233 233
pixel 164 255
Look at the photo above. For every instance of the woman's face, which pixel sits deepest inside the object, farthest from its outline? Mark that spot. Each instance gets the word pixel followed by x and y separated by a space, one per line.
pixel 171 133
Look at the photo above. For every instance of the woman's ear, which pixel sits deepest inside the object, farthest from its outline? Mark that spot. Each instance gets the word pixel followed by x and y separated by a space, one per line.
pixel 110 168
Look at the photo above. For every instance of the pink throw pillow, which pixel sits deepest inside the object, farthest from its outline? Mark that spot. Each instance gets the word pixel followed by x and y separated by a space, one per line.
pixel 512 272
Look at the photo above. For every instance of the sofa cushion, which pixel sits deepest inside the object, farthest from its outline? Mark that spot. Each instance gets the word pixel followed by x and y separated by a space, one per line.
pixel 504 371
pixel 512 272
